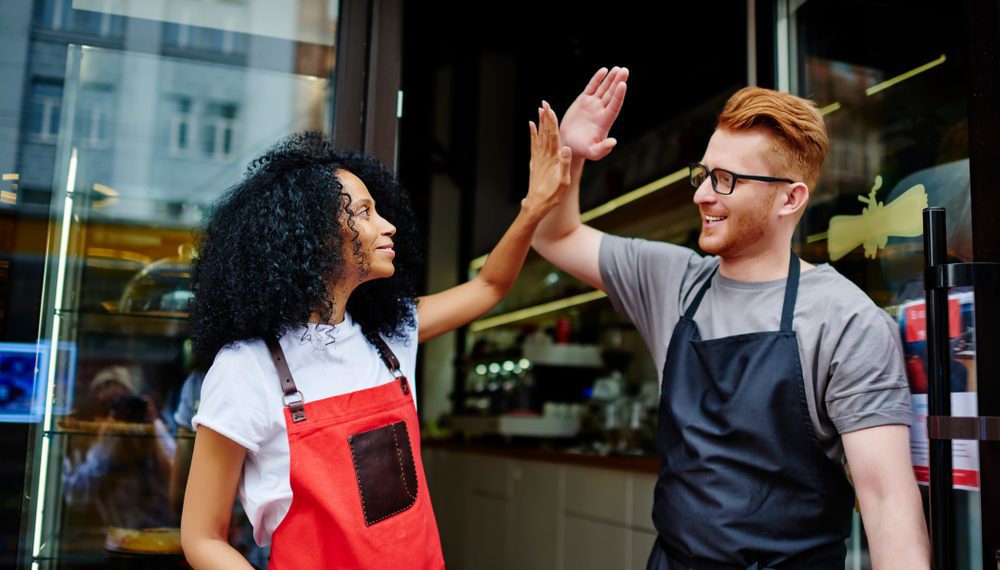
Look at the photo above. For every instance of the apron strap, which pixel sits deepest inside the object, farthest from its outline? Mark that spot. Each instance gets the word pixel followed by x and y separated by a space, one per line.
pixel 390 360
pixel 293 398
pixel 693 307
pixel 788 306
pixel 791 292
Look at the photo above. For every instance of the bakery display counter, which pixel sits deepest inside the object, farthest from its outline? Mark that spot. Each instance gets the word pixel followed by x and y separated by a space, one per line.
pixel 551 454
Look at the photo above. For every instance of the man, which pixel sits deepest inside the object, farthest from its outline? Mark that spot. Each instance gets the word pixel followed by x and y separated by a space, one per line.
pixel 777 375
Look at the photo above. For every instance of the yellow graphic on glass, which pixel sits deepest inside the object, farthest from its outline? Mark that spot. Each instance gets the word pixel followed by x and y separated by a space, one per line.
pixel 878 222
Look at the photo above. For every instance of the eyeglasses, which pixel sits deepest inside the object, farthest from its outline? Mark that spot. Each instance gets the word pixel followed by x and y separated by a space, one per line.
pixel 724 181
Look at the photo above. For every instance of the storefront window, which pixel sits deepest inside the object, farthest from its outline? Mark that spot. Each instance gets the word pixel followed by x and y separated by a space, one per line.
pixel 131 119
pixel 894 99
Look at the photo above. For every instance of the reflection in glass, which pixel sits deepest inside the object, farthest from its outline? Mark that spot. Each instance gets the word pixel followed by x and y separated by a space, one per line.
pixel 125 151
pixel 895 107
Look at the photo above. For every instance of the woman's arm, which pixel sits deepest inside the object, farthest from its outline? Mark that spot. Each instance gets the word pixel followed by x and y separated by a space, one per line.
pixel 452 308
pixel 208 502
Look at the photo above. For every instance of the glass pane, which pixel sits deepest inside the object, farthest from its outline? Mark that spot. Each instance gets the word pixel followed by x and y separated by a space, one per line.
pixel 122 123
pixel 897 120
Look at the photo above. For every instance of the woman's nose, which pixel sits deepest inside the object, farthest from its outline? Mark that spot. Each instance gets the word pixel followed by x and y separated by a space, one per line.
pixel 388 229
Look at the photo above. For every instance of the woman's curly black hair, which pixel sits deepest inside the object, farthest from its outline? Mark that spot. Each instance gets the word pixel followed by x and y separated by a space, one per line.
pixel 272 249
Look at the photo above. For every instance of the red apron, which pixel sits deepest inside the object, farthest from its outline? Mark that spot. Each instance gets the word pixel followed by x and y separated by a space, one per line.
pixel 359 495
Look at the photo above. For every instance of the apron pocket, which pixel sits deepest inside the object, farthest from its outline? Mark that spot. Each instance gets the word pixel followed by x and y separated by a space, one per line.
pixel 387 477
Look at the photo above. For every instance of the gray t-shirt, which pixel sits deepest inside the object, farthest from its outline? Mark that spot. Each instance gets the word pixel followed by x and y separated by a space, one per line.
pixel 852 358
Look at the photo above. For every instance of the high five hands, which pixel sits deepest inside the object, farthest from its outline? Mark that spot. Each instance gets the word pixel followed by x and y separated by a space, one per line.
pixel 588 120
pixel 549 164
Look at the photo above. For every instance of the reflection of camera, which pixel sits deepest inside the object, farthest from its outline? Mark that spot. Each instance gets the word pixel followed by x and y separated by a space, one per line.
pixel 128 408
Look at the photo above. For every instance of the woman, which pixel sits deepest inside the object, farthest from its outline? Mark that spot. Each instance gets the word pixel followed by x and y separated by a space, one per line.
pixel 306 308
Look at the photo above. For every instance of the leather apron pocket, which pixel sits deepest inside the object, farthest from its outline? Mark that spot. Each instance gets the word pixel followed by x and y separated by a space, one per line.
pixel 387 477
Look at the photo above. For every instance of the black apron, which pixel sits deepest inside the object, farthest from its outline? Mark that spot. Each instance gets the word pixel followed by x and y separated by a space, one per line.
pixel 743 480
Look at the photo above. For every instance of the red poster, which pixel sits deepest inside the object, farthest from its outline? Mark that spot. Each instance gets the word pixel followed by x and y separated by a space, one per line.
pixel 916 321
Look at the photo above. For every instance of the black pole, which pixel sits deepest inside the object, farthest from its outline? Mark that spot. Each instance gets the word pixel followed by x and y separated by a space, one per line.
pixel 939 391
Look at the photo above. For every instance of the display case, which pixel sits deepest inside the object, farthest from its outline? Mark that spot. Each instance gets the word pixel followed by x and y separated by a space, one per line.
pixel 112 403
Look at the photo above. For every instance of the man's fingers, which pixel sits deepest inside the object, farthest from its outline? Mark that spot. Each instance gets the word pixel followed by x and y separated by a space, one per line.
pixel 601 149
pixel 612 83
pixel 617 99
pixel 595 81
pixel 606 83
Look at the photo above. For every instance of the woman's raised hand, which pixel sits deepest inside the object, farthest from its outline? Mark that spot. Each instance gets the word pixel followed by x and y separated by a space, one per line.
pixel 549 163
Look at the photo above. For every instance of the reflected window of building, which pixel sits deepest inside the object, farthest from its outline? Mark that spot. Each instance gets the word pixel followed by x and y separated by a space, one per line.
pixel 94 123
pixel 181 123
pixel 45 110
pixel 60 15
pixel 186 37
pixel 217 130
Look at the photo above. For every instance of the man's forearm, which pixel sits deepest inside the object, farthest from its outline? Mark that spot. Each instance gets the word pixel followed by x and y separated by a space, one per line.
pixel 897 535
pixel 563 219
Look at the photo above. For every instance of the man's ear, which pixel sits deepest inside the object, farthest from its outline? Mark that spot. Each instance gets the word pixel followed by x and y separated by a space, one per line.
pixel 795 199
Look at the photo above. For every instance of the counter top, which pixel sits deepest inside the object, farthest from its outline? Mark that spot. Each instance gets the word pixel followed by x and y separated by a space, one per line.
pixel 641 464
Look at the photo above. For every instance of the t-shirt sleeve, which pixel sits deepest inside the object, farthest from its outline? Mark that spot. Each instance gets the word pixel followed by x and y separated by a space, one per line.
pixel 234 400
pixel 867 385
pixel 644 280
pixel 187 406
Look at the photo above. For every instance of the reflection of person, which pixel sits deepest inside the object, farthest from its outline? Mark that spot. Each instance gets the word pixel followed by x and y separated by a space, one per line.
pixel 126 470
pixel 187 407
pixel 776 373
pixel 302 239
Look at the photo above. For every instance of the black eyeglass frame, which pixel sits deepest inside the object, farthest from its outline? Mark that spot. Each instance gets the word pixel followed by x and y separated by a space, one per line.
pixel 715 183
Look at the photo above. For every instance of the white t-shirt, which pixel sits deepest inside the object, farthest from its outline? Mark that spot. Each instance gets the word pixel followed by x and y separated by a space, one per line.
pixel 241 400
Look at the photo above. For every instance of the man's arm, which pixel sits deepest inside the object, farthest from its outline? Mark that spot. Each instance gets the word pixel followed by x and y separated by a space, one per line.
pixel 879 458
pixel 562 238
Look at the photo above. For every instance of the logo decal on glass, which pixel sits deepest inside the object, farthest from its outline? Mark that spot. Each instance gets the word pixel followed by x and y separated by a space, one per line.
pixel 876 223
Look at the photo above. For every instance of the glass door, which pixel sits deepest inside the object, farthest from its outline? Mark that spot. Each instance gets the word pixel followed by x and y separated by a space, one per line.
pixel 139 116
pixel 894 98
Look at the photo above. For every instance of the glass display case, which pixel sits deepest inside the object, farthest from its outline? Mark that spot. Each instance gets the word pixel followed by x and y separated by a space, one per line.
pixel 147 142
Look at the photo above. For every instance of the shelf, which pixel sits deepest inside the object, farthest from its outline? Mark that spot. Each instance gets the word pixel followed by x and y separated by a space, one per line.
pixel 60 432
pixel 170 325
pixel 614 204
pixel 152 315
pixel 536 311
pixel 87 547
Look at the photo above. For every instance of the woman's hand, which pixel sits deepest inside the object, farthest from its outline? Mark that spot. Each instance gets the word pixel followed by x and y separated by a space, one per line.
pixel 550 176
pixel 588 120
pixel 549 165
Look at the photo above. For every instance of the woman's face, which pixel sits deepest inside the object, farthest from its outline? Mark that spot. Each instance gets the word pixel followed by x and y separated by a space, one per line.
pixel 374 233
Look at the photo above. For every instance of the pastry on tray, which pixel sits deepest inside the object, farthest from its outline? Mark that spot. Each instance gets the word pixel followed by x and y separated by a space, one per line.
pixel 164 540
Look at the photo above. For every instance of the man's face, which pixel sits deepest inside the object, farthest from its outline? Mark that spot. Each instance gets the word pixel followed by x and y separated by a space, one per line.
pixel 742 223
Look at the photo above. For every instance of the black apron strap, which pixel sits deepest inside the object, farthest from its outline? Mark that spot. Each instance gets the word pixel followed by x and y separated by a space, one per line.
pixel 693 307
pixel 292 398
pixel 791 292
